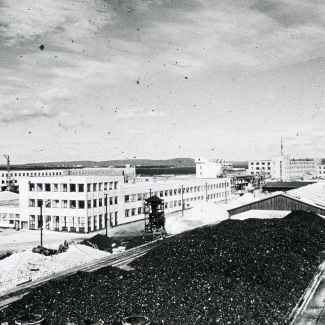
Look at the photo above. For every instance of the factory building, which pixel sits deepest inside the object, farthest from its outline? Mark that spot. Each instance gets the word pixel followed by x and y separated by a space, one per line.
pixel 81 202
pixel 284 168
pixel 15 175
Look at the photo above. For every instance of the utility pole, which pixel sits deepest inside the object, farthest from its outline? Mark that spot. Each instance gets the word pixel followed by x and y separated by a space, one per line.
pixel 182 201
pixel 206 192
pixel 41 221
pixel 106 215
pixel 226 190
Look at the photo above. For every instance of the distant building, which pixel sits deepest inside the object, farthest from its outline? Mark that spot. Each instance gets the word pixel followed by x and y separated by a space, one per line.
pixel 283 168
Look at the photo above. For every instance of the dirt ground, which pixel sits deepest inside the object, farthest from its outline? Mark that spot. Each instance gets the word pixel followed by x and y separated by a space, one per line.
pixel 16 241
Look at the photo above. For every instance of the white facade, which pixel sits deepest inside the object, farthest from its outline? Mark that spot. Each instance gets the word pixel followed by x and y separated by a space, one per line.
pixel 128 172
pixel 283 168
pixel 206 168
pixel 78 203
pixel 260 167
pixel 320 171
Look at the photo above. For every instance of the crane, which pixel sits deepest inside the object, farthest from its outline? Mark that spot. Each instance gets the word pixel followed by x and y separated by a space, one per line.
pixel 10 183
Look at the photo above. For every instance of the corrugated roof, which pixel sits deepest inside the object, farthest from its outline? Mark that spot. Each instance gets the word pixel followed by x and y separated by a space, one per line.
pixel 313 194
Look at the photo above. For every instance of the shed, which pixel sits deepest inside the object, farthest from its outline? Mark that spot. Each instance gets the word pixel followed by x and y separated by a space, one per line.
pixel 307 198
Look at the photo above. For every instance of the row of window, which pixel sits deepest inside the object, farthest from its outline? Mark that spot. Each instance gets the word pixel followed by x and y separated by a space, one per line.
pixel 6 216
pixel 175 191
pixel 263 163
pixel 73 204
pixel 173 204
pixel 32 174
pixel 72 223
pixel 93 187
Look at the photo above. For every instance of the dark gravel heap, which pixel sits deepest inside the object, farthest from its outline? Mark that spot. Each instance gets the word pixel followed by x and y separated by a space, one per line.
pixel 105 243
pixel 101 241
pixel 238 272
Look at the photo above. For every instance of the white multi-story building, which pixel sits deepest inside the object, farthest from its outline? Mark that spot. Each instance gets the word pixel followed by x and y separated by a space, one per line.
pixel 283 168
pixel 83 203
pixel 260 167
pixel 320 171
pixel 128 172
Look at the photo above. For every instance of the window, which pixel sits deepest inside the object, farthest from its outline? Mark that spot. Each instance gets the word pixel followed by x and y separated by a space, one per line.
pixel 47 187
pixel 47 203
pixel 115 199
pixel 64 204
pixel 100 202
pixel 95 203
pixel 88 187
pixel 111 201
pixel 81 204
pixel 110 185
pixel 170 192
pixel 127 213
pixel 72 187
pixel 81 222
pixel 56 204
pixel 95 187
pixel 32 222
pixel 166 193
pixel 100 186
pixel 115 185
pixel 133 198
pixel 89 204
pixel 39 203
pixel 127 198
pixel 72 204
pixel 161 193
pixel 139 210
pixel 64 187
pixel 55 187
pixel 39 187
pixel 17 216
pixel 140 197
pixel 105 186
pixel 31 203
pixel 81 187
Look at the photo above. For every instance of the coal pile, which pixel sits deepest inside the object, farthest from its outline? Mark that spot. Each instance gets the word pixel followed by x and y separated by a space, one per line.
pixel 101 242
pixel 237 272
pixel 105 243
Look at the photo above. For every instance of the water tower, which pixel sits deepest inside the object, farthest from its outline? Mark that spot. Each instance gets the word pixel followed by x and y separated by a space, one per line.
pixel 154 211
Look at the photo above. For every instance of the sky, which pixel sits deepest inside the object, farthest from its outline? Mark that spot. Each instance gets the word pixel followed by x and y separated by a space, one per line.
pixel 160 79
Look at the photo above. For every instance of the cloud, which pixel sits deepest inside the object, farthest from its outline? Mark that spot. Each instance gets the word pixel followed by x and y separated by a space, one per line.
pixel 22 110
pixel 71 20
pixel 140 114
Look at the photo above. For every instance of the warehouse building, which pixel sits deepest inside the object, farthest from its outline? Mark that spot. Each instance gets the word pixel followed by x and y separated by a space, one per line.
pixel 306 198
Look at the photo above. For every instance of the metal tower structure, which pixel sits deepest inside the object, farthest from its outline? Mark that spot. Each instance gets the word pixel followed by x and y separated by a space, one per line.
pixel 154 211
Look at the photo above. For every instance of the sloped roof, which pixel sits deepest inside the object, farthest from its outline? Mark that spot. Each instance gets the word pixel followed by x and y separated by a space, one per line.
pixel 7 196
pixel 313 194
pixel 154 199
pixel 286 185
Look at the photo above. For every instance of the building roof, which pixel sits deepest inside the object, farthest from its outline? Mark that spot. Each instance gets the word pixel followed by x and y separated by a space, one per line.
pixel 285 185
pixel 313 194
pixel 7 196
